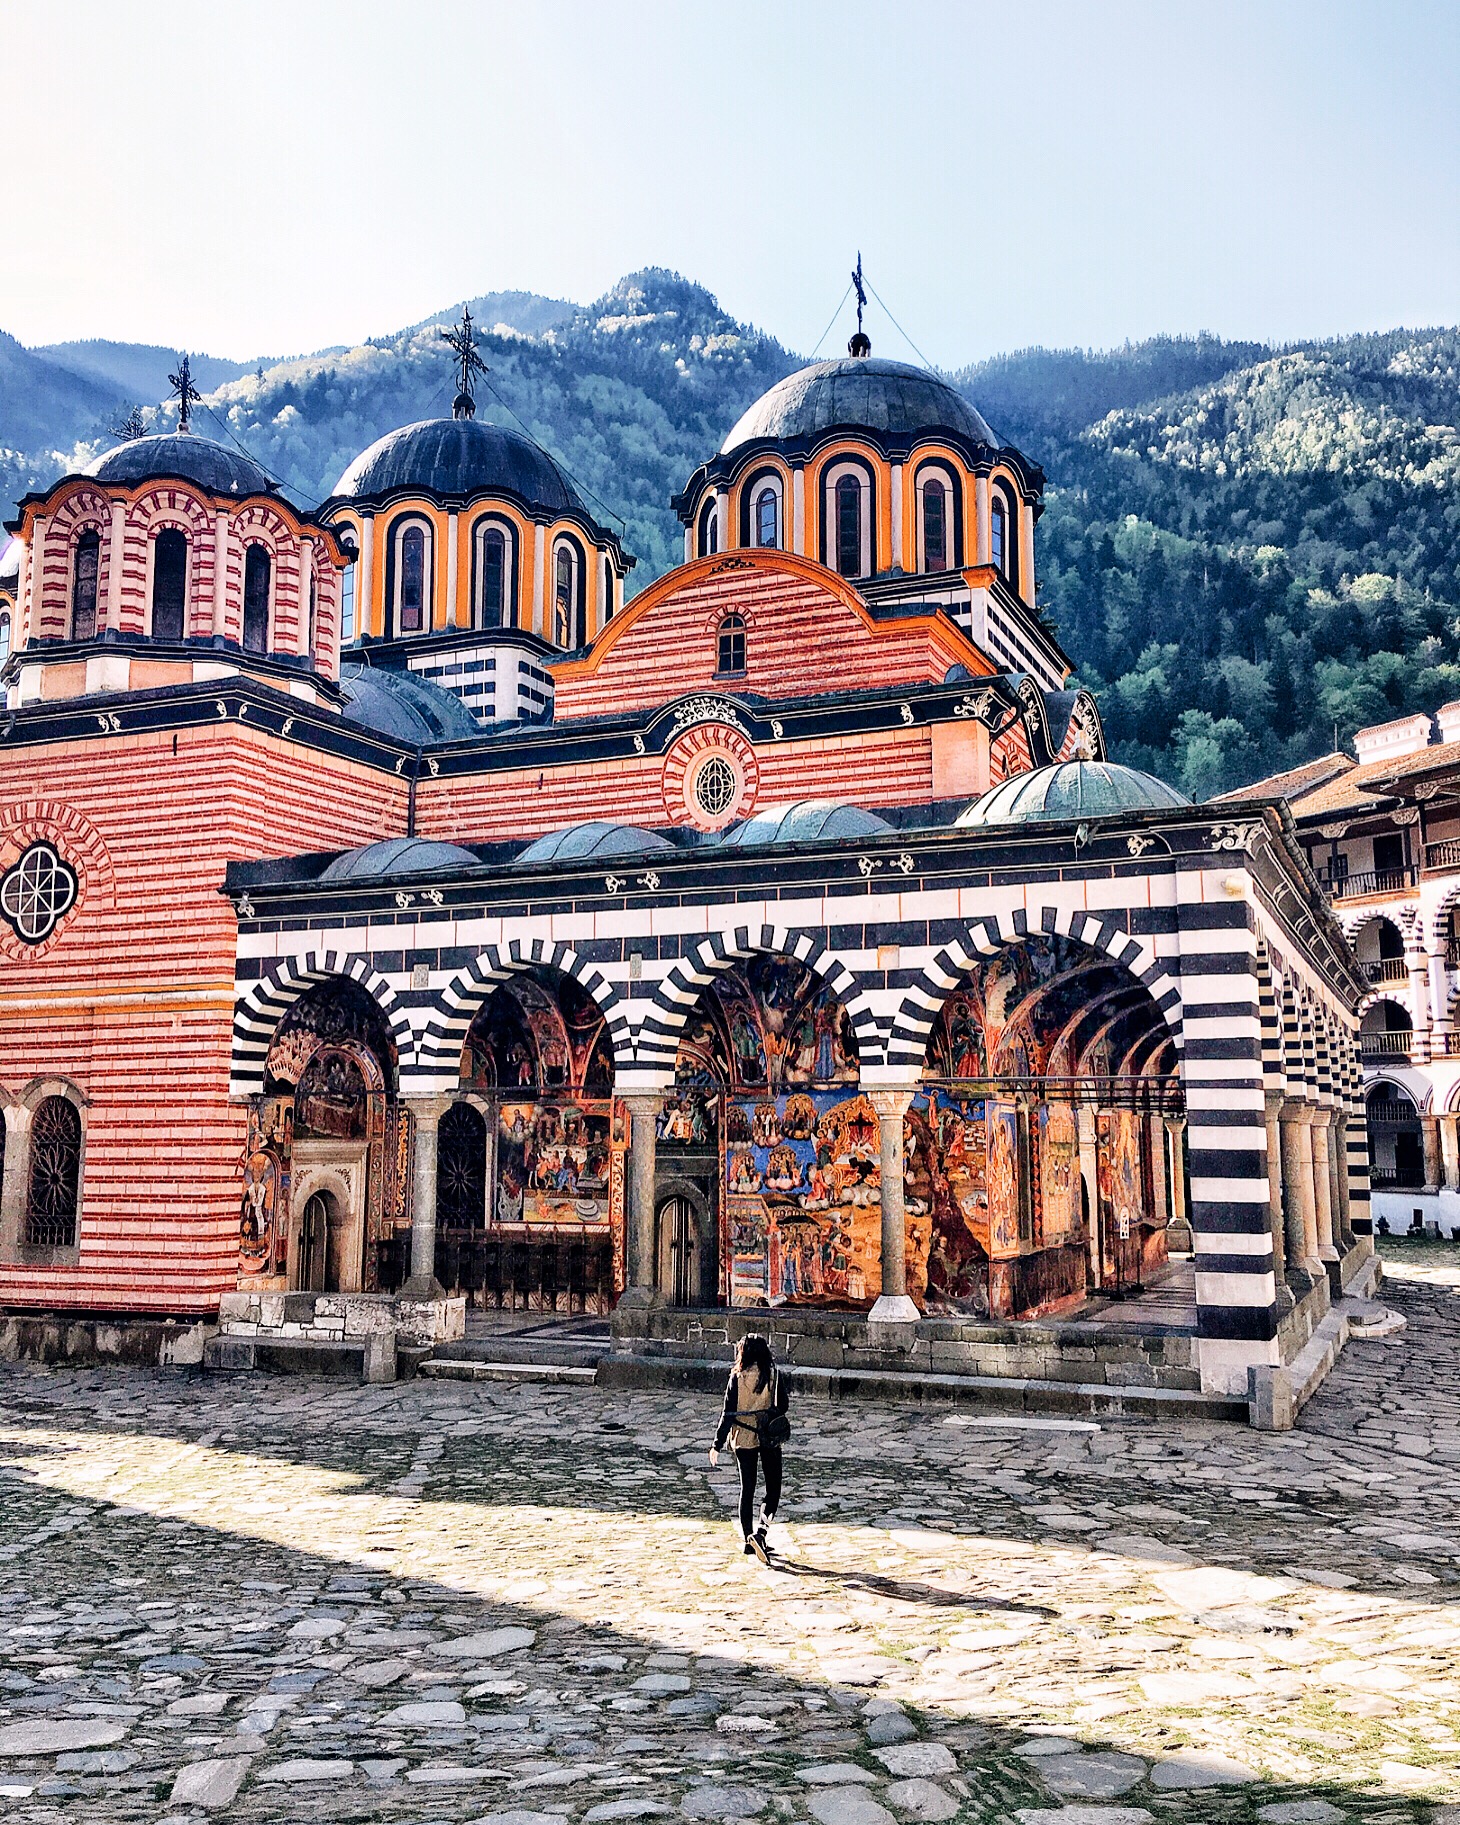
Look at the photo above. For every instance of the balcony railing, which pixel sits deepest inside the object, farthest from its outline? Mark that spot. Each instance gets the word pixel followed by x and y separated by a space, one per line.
pixel 1445 1045
pixel 1386 969
pixel 1397 1178
pixel 1445 854
pixel 1385 1045
pixel 1372 880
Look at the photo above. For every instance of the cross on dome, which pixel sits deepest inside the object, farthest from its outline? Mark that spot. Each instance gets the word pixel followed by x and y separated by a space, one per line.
pixel 461 339
pixel 186 394
pixel 860 344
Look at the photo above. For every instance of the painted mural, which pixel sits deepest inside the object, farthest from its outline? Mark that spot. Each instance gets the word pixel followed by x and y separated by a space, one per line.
pixel 537 1209
pixel 327 1078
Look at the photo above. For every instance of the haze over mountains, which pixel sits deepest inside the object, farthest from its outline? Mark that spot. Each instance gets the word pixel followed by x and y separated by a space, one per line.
pixel 1242 546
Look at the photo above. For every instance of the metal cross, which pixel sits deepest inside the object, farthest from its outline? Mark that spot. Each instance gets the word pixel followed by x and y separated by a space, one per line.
pixel 860 290
pixel 186 393
pixel 461 339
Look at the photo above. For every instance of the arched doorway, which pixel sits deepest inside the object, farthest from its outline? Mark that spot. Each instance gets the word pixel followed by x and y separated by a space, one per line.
pixel 767 1133
pixel 1036 1148
pixel 530 1159
pixel 328 1125
pixel 1396 1140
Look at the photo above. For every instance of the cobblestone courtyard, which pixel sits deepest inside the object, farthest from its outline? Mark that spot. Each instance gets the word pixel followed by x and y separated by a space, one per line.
pixel 262 1599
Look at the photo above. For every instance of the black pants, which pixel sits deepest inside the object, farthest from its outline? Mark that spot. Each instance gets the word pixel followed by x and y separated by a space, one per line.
pixel 770 1457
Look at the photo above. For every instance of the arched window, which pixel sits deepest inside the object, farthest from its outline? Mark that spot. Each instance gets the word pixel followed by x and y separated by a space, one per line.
pixel 567 598
pixel 998 532
pixel 494 578
pixel 411 581
pixel 83 586
pixel 767 514
pixel 313 615
pixel 709 528
pixel 169 584
pixel 849 526
pixel 731 656
pixel 257 571
pixel 55 1174
pixel 4 636
pixel 347 603
pixel 935 526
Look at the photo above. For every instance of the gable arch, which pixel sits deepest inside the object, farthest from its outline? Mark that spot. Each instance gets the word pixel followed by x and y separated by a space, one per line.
pixel 256 1015
pixel 675 997
pixel 923 1001
pixel 462 999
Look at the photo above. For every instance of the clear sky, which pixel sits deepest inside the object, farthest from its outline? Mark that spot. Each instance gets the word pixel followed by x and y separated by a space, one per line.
pixel 264 178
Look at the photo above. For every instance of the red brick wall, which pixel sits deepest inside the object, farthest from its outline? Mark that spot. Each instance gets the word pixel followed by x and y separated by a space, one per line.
pixel 131 1000
pixel 805 631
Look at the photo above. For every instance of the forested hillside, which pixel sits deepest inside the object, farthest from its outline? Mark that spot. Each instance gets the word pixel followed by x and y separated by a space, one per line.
pixel 1242 547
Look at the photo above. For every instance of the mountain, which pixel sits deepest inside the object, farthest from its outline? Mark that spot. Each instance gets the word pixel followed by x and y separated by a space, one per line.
pixel 1245 548
pixel 138 372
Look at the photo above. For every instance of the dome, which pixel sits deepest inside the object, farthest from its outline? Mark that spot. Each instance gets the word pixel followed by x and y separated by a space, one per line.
pixel 583 842
pixel 10 561
pixel 879 395
pixel 1071 789
pixel 181 453
pixel 403 706
pixel 399 855
pixel 460 456
pixel 809 820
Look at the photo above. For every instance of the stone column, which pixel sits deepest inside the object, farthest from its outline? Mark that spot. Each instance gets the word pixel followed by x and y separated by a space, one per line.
pixel 423 1283
pixel 1176 1149
pixel 1317 1128
pixel 116 560
pixel 894 1306
pixel 1272 1104
pixel 641 1291
pixel 220 574
pixel 365 591
pixel 1450 1151
pixel 1430 1136
pixel 1302 1221
pixel 1419 1001
pixel 1338 1179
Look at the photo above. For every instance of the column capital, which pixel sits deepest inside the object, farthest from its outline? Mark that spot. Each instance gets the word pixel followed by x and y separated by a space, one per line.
pixel 643 1103
pixel 430 1108
pixel 889 1103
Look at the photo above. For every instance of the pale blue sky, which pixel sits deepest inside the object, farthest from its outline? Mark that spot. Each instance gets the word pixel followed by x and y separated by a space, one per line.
pixel 1013 174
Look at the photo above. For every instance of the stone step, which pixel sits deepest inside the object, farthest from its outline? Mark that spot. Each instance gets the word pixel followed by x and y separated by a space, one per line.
pixel 998 1392
pixel 568 1352
pixel 459 1368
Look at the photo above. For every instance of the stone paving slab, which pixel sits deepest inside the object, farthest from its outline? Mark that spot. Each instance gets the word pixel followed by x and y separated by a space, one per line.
pixel 439 1602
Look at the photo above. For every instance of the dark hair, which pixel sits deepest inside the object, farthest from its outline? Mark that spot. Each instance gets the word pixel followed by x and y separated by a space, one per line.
pixel 753 1352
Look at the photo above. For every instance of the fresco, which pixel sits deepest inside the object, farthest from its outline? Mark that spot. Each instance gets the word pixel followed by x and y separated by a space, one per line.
pixel 1057 1150
pixel 804 1201
pixel 554 1163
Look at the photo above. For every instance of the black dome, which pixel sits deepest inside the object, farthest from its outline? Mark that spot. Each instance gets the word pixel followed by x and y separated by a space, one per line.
pixel 195 459
pixel 880 395
pixel 460 456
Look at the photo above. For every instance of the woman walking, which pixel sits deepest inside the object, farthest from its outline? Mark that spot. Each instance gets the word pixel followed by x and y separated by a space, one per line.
pixel 754 1420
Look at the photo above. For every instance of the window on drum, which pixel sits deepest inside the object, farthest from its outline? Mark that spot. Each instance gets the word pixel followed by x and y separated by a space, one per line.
pixel 716 787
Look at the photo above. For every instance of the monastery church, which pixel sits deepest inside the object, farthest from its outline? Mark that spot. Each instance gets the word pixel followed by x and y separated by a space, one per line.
pixel 400 917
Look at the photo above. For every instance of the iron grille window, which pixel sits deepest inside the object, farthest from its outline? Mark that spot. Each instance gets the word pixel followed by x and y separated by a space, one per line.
pixel 461 1168
pixel 83 587
pixel 55 1173
pixel 716 786
pixel 998 541
pixel 494 571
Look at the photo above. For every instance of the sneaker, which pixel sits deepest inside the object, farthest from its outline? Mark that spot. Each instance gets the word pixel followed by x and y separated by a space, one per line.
pixel 750 1548
pixel 757 1544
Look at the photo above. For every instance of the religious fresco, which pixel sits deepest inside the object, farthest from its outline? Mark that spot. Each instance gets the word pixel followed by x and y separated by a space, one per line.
pixel 1128 1219
pixel 554 1163
pixel 945 1185
pixel 327 1077
pixel 1057 1148
pixel 537 1063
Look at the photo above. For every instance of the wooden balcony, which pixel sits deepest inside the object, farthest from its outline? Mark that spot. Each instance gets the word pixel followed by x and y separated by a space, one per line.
pixel 1372 881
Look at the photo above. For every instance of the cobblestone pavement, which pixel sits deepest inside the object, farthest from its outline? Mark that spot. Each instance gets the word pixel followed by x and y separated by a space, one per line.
pixel 253 1599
